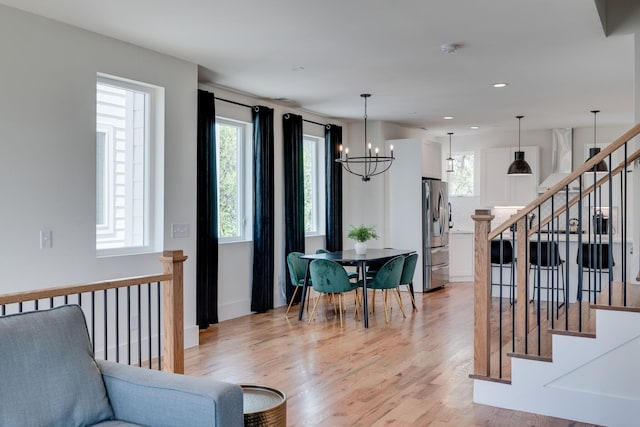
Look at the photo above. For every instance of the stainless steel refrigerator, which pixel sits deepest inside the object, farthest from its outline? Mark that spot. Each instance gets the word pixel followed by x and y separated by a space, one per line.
pixel 436 215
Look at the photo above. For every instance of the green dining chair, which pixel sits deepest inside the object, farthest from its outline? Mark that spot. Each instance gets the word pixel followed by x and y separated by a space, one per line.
pixel 329 277
pixel 408 270
pixel 352 274
pixel 388 278
pixel 297 268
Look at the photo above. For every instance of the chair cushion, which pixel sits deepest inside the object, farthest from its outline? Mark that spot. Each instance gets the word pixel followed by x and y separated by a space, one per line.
pixel 47 372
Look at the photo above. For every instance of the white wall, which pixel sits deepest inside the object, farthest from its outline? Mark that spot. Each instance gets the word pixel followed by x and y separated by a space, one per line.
pixel 366 202
pixel 47 131
pixel 47 116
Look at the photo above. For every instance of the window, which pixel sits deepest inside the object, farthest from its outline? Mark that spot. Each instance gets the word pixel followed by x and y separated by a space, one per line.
pixel 124 166
pixel 313 165
pixel 234 179
pixel 461 180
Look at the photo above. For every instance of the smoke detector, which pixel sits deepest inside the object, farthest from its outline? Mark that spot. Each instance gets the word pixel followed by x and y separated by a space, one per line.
pixel 449 47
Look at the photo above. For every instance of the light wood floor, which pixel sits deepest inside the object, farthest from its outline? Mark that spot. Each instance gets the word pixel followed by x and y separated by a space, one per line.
pixel 412 372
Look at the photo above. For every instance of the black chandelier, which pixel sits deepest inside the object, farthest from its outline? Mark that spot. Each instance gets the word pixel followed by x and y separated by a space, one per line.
pixel 371 163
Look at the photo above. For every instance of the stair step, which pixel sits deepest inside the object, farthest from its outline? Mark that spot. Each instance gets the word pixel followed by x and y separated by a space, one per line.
pixel 530 357
pixel 491 379
pixel 572 333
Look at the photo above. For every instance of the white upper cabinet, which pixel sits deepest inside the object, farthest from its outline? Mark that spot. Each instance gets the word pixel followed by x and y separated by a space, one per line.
pixel 498 188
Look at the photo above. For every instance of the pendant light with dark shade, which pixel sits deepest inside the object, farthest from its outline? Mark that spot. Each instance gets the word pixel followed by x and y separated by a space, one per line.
pixel 601 166
pixel 450 158
pixel 519 166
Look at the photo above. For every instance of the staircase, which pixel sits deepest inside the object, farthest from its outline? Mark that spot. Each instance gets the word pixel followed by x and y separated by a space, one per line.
pixel 563 341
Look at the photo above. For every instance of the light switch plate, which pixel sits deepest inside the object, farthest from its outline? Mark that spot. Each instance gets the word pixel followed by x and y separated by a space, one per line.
pixel 179 230
pixel 46 238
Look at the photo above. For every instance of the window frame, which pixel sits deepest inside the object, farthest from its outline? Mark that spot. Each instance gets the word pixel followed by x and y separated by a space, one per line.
pixel 318 178
pixel 152 170
pixel 475 174
pixel 244 181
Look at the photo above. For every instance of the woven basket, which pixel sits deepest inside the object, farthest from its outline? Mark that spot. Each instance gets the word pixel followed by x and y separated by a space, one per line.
pixel 264 406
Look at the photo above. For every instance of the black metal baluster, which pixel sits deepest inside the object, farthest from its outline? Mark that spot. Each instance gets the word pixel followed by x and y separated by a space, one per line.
pixel 514 289
pixel 93 322
pixel 128 325
pixel 159 328
pixel 580 263
pixel 566 256
pixel 139 328
pixel 500 319
pixel 539 274
pixel 117 321
pixel 106 324
pixel 623 243
pixel 149 321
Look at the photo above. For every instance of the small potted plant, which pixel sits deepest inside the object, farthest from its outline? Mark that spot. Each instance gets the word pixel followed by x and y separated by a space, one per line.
pixel 361 234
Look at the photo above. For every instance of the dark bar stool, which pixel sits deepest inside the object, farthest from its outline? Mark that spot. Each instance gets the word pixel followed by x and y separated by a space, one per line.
pixel 502 257
pixel 593 257
pixel 549 260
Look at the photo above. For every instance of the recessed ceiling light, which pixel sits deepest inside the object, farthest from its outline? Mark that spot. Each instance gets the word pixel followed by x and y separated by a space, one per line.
pixel 448 117
pixel 475 127
pixel 500 85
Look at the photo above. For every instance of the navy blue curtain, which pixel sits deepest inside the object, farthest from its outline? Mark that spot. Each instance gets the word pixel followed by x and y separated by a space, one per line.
pixel 263 202
pixel 207 214
pixel 333 140
pixel 293 190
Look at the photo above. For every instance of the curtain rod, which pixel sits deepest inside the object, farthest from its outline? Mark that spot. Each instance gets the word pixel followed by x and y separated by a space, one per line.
pixel 315 123
pixel 251 106
pixel 234 102
pixel 286 116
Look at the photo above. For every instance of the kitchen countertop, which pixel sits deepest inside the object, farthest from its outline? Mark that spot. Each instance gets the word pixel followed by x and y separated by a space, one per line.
pixel 454 231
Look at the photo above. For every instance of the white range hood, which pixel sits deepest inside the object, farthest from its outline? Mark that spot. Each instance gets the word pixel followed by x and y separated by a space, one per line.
pixel 555 178
pixel 561 159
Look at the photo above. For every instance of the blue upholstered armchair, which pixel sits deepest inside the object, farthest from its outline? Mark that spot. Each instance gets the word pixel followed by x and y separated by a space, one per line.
pixel 48 376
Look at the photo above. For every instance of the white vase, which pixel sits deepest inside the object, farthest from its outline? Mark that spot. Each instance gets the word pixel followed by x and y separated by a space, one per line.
pixel 361 248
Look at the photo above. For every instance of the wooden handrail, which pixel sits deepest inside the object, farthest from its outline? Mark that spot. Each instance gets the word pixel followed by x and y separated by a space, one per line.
pixel 173 303
pixel 617 170
pixel 60 291
pixel 585 167
pixel 524 319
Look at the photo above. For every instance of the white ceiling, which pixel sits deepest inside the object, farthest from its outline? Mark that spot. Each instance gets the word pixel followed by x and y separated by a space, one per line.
pixel 321 55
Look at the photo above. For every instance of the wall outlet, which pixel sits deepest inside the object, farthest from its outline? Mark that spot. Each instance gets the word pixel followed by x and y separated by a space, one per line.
pixel 179 230
pixel 46 238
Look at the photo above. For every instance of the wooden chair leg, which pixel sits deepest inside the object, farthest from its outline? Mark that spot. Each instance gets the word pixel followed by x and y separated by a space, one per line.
pixel 356 311
pixel 373 302
pixel 400 303
pixel 340 307
pixel 295 290
pixel 385 297
pixel 398 294
pixel 313 312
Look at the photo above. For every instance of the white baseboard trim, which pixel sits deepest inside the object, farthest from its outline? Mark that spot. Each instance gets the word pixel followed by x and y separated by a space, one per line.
pixel 234 309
